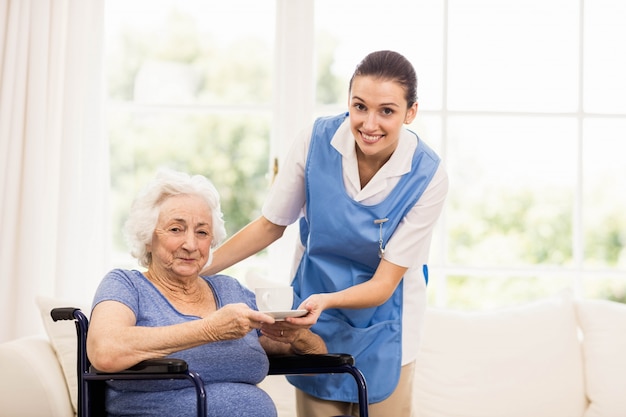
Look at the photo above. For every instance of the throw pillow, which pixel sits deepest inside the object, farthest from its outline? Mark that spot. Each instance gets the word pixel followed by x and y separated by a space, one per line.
pixel 514 362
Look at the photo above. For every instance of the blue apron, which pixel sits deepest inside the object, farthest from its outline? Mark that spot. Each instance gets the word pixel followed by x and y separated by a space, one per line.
pixel 341 243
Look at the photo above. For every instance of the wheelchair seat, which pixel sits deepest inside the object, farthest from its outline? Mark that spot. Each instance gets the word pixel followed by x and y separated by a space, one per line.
pixel 91 382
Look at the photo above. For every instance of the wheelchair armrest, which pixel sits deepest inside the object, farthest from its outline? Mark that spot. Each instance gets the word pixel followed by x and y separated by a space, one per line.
pixel 153 366
pixel 283 364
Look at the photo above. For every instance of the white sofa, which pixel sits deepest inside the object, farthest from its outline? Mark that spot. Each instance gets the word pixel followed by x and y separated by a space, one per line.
pixel 556 357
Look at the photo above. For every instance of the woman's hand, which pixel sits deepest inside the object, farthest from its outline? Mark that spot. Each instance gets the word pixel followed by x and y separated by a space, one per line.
pixel 234 321
pixel 315 304
pixel 283 332
pixel 289 338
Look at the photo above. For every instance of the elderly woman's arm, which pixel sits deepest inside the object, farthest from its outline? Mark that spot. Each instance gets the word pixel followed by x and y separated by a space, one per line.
pixel 115 343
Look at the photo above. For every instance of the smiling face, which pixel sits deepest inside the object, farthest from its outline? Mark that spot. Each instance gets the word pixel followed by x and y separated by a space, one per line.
pixel 378 109
pixel 182 238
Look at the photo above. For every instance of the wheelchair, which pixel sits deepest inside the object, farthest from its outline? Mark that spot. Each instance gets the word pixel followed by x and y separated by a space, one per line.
pixel 91 382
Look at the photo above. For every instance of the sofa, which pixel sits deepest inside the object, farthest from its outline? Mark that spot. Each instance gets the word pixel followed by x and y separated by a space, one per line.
pixel 554 357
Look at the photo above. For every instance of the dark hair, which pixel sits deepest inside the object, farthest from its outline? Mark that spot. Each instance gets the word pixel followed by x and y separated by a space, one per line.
pixel 389 65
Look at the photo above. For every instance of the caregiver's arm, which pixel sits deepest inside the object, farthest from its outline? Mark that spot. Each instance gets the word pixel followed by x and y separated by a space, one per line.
pixel 371 293
pixel 254 237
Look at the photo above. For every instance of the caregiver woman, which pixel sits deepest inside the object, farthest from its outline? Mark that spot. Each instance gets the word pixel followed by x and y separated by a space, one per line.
pixel 367 193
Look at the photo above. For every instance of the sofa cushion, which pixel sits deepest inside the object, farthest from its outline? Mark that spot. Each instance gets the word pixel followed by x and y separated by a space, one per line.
pixel 62 335
pixel 603 324
pixel 516 362
pixel 32 382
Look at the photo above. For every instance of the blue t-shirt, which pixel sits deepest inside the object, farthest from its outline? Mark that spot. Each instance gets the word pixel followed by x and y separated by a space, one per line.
pixel 230 369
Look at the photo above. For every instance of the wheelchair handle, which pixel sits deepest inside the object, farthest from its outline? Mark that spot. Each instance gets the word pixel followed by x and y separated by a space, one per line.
pixel 63 313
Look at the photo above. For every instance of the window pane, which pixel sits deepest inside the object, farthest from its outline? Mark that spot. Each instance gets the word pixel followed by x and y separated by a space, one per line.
pixel 191 52
pixel 513 56
pixel 605 287
pixel 428 128
pixel 605 59
pixel 512 181
pixel 604 198
pixel 347 31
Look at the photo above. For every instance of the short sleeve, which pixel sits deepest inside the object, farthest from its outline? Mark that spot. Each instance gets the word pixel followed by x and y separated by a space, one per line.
pixel 118 285
pixel 286 199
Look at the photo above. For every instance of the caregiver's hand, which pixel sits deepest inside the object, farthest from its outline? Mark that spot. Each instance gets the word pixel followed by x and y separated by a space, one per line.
pixel 315 304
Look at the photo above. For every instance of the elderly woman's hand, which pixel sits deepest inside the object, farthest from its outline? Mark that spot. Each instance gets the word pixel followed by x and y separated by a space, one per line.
pixel 299 340
pixel 234 321
pixel 283 332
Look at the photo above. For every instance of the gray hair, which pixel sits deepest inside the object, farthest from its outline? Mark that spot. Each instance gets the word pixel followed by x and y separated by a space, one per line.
pixel 144 212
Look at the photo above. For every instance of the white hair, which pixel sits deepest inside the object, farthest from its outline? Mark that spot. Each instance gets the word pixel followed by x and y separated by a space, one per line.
pixel 144 212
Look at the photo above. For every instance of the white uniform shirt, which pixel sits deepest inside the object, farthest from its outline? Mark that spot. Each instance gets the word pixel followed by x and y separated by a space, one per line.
pixel 408 246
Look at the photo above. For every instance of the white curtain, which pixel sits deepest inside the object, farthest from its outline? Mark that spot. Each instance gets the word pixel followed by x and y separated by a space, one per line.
pixel 53 157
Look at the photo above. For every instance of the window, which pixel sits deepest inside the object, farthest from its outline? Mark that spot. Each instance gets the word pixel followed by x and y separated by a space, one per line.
pixel 523 101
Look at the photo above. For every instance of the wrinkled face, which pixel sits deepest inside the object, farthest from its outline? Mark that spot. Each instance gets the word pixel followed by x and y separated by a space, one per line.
pixel 378 109
pixel 182 238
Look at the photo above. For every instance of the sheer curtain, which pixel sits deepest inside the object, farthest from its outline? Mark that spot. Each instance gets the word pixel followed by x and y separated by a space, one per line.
pixel 53 157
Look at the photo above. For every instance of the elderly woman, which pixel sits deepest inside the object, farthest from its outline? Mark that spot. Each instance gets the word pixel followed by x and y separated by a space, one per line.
pixel 210 321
